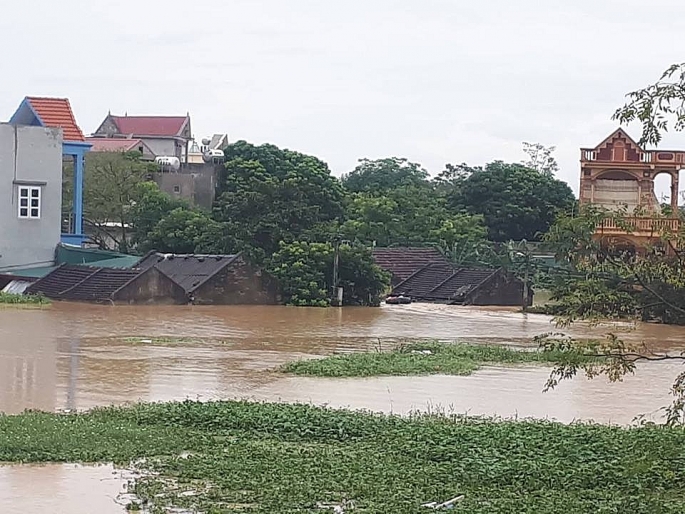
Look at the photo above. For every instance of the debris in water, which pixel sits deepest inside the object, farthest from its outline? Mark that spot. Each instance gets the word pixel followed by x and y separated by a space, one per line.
pixel 146 341
pixel 449 504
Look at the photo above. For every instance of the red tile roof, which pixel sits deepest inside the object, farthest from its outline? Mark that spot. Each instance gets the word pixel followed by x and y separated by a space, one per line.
pixel 57 113
pixel 167 126
pixel 114 144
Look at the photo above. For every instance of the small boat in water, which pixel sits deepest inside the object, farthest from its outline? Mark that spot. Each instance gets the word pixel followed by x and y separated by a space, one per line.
pixel 398 300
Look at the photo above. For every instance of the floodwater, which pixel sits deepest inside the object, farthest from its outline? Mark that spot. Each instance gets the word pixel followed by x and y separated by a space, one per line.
pixel 74 356
pixel 62 488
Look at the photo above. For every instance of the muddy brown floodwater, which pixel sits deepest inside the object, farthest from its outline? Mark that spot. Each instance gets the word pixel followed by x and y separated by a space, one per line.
pixel 74 356
pixel 78 356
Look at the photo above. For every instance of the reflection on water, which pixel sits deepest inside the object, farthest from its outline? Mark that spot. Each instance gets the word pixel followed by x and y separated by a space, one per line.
pixel 77 356
pixel 61 488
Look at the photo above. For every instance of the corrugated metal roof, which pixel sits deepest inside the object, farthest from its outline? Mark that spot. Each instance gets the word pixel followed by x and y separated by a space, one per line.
pixel 16 287
pixel 167 126
pixel 57 113
pixel 94 257
pixel 188 271
pixel 30 272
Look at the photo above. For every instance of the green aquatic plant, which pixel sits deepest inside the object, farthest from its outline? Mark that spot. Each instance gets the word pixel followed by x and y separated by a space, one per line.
pixel 422 358
pixel 19 299
pixel 238 456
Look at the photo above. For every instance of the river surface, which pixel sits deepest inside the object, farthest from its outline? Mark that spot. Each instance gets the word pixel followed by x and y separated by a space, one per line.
pixel 73 356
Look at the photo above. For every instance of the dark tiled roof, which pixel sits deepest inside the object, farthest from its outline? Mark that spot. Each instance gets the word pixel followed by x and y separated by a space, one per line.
pixel 442 282
pixel 82 283
pixel 403 262
pixel 100 285
pixel 421 283
pixel 462 282
pixel 188 271
pixel 63 278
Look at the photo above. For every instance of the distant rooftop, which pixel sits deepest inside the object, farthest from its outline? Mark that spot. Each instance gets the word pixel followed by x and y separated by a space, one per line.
pixel 114 144
pixel 166 126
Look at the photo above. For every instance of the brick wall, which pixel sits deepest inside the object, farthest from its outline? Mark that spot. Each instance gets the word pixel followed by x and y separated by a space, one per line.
pixel 240 283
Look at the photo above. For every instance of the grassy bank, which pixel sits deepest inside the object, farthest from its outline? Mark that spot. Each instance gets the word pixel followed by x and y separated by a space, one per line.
pixel 268 458
pixel 18 299
pixel 418 359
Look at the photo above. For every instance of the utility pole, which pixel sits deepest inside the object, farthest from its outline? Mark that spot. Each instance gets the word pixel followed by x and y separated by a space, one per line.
pixel 336 301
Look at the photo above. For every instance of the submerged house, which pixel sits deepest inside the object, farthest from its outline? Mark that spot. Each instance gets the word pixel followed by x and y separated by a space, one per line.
pixel 426 275
pixel 163 279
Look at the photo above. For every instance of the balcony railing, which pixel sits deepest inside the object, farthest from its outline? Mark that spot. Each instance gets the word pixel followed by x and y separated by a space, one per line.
pixel 639 225
pixel 649 157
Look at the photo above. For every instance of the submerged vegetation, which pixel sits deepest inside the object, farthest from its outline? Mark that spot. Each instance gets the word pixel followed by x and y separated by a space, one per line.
pixel 18 299
pixel 253 457
pixel 422 359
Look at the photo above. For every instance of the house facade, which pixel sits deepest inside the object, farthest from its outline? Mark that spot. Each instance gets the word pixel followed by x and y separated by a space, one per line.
pixel 618 175
pixel 31 186
pixel 167 136
pixel 56 113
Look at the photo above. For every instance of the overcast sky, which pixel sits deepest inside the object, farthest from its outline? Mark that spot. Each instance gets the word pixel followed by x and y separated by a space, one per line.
pixel 435 81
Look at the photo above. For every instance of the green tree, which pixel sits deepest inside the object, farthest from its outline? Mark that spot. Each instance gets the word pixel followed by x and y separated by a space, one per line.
pixel 515 202
pixel 612 283
pixel 305 272
pixel 383 175
pixel 656 105
pixel 112 181
pixel 151 205
pixel 267 195
pixel 184 231
pixel 540 158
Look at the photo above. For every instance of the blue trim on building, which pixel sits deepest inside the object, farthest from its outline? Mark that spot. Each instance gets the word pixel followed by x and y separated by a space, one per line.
pixel 77 151
pixel 25 104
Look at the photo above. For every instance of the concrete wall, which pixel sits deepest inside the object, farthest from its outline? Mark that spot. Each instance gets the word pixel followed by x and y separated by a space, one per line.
pixel 29 156
pixel 161 146
pixel 239 283
pixel 196 183
pixel 503 289
pixel 151 287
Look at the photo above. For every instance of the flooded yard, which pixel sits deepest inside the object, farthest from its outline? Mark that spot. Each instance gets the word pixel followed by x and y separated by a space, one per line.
pixel 80 356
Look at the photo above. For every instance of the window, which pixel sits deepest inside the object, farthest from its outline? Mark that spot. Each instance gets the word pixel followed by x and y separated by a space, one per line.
pixel 29 202
pixel 177 189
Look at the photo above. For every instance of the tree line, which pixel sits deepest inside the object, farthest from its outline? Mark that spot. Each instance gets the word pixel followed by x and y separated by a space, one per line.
pixel 284 209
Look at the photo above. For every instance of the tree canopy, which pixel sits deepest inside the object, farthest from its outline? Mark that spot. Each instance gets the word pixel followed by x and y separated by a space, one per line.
pixel 383 175
pixel 516 202
pixel 267 195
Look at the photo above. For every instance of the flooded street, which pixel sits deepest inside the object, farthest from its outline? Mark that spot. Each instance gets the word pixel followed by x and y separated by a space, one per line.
pixel 80 356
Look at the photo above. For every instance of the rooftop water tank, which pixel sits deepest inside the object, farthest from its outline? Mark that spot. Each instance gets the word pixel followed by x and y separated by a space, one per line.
pixel 168 163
